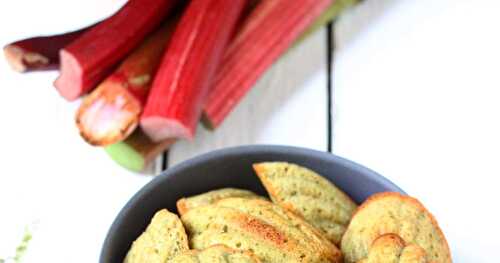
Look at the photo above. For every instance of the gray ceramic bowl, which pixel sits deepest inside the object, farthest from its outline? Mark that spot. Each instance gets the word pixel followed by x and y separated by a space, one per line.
pixel 230 168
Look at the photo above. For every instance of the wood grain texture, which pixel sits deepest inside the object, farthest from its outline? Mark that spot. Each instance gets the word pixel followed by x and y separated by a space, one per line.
pixel 416 99
pixel 287 106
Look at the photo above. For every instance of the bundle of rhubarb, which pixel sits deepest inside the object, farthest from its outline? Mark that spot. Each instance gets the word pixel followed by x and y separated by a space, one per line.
pixel 151 71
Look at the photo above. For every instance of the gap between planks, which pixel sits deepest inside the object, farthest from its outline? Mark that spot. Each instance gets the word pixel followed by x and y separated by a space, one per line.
pixel 330 39
pixel 289 105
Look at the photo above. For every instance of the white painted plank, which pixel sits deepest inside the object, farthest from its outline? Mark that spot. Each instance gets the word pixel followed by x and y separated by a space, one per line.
pixel 49 175
pixel 416 99
pixel 287 106
pixel 157 166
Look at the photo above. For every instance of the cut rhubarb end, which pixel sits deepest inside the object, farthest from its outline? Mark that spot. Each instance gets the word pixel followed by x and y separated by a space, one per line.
pixel 158 128
pixel 22 60
pixel 15 58
pixel 181 85
pixel 126 156
pixel 108 115
pixel 38 53
pixel 90 58
pixel 137 152
pixel 72 77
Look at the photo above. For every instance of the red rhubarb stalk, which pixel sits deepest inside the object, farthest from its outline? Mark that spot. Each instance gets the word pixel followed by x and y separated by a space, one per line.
pixel 268 32
pixel 38 53
pixel 87 60
pixel 111 112
pixel 188 67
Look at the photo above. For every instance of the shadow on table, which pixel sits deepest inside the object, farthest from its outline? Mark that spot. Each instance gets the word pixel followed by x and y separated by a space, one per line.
pixel 289 77
pixel 359 19
pixel 295 73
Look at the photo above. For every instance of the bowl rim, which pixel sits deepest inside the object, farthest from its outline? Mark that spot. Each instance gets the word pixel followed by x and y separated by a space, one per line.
pixel 238 150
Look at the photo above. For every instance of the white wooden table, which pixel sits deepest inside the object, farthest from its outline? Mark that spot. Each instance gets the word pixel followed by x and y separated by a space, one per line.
pixel 414 95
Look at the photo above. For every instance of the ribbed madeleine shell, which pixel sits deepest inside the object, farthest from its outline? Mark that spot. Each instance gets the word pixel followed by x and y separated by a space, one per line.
pixel 272 233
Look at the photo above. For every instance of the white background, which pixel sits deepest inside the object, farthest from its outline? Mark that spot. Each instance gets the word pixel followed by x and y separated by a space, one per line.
pixel 416 99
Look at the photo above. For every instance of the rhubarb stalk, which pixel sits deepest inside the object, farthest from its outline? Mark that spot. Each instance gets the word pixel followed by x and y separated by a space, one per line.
pixel 87 60
pixel 137 151
pixel 38 53
pixel 111 112
pixel 268 32
pixel 183 80
pixel 335 9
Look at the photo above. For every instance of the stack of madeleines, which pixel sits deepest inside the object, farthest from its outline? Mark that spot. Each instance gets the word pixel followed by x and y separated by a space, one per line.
pixel 306 219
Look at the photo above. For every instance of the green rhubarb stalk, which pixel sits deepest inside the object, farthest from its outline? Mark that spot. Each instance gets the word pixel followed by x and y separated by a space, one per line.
pixel 125 155
pixel 335 9
pixel 137 151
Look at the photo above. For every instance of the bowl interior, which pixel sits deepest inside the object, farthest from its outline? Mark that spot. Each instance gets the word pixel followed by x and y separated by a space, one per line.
pixel 230 168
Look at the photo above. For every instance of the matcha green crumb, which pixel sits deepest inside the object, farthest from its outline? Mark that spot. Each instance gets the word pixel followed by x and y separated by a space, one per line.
pixel 21 249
